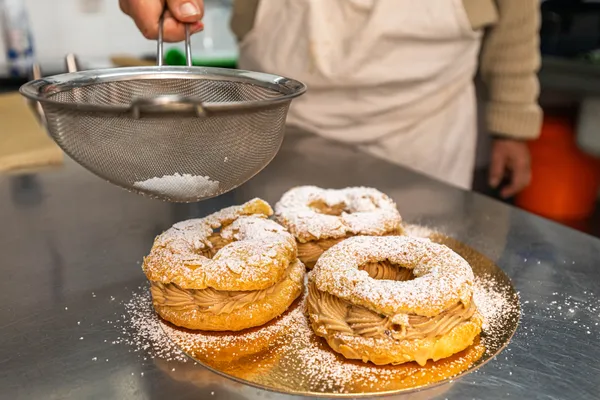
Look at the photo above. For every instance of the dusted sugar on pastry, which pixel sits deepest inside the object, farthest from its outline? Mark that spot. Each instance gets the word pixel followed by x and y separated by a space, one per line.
pixel 393 299
pixel 232 270
pixel 320 218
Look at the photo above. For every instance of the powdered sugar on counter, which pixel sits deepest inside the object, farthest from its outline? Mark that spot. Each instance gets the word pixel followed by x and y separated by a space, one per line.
pixel 495 304
pixel 180 185
pixel 142 330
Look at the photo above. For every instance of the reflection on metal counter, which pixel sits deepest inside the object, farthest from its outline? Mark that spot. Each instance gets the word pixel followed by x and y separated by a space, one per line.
pixel 66 338
pixel 26 190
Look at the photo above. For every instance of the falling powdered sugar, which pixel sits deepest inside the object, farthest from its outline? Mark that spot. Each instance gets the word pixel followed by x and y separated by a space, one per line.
pixel 180 185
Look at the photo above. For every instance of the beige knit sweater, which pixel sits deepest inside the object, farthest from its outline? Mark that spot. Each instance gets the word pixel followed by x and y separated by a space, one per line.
pixel 510 59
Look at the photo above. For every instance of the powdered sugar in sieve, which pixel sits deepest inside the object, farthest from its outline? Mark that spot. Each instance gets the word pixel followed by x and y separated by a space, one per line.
pixel 180 185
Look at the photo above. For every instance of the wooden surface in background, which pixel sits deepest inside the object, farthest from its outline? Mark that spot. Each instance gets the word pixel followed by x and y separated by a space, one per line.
pixel 24 144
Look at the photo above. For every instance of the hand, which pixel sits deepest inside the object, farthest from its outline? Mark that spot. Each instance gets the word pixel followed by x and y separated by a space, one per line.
pixel 510 159
pixel 146 14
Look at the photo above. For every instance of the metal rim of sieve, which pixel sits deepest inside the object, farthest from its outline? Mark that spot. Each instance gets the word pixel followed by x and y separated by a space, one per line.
pixel 42 90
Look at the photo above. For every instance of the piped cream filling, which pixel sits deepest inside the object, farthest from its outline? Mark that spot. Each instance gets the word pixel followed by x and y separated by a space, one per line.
pixel 210 300
pixel 333 314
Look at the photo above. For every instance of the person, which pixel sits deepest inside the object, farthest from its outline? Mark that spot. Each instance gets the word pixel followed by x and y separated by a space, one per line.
pixel 395 77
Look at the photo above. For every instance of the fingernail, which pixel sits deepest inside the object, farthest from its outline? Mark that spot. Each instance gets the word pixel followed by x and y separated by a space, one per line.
pixel 197 27
pixel 188 10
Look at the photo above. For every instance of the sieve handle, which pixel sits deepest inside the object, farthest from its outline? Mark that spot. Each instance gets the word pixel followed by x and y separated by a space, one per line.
pixel 168 104
pixel 160 56
pixel 36 106
pixel 72 63
pixel 72 66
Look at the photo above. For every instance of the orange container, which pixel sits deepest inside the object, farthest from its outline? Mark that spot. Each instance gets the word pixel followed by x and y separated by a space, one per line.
pixel 565 181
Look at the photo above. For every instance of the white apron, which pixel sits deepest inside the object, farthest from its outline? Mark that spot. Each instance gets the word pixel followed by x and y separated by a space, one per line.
pixel 394 77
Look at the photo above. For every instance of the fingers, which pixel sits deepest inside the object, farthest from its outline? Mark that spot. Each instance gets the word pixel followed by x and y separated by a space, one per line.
pixel 182 12
pixel 146 15
pixel 124 5
pixel 174 30
pixel 186 10
pixel 520 178
pixel 512 157
pixel 497 167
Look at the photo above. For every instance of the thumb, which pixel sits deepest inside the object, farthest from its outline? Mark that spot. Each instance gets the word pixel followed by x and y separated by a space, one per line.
pixel 186 10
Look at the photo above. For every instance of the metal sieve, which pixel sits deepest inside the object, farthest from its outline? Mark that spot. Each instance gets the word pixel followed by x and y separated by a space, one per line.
pixel 176 133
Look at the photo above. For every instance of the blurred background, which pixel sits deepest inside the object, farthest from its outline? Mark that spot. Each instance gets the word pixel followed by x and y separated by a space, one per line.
pixel 97 30
pixel 566 166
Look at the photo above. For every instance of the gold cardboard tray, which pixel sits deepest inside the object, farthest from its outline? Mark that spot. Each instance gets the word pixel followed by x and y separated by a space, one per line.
pixel 285 356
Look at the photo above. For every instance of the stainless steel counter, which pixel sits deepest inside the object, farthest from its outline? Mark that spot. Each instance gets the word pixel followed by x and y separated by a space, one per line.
pixel 72 244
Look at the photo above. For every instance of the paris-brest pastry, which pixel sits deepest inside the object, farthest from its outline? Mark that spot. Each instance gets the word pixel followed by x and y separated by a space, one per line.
pixel 320 218
pixel 393 299
pixel 229 271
